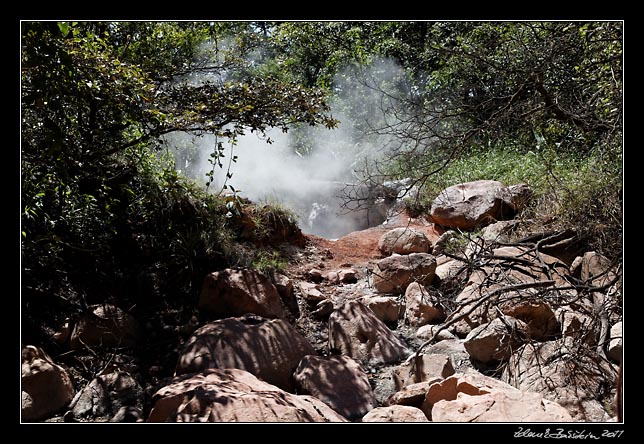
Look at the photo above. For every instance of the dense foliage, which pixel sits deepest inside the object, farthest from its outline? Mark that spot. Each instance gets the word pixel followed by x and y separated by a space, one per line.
pixel 102 206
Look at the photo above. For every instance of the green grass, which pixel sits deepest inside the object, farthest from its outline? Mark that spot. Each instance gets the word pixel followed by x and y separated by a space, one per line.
pixel 575 191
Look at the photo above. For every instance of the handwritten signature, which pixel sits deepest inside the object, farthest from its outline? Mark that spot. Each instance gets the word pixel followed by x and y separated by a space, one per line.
pixel 566 434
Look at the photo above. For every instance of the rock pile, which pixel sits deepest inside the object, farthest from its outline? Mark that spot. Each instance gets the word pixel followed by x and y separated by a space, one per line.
pixel 407 338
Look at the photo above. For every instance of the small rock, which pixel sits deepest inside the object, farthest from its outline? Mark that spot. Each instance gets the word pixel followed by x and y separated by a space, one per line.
pixel 386 308
pixel 233 292
pixel 615 345
pixel 428 331
pixel 314 275
pixel 348 276
pixel 412 394
pixel 127 414
pixel 105 326
pixel 323 309
pixel 310 292
pixel 394 273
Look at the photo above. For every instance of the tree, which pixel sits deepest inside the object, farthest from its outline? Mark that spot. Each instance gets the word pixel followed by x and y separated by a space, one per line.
pixel 97 99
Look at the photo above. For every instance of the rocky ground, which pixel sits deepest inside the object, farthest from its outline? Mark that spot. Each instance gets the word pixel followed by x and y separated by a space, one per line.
pixel 395 323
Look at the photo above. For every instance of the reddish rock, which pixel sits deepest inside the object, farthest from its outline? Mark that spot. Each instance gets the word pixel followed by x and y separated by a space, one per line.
pixel 425 367
pixel 404 240
pixel 596 269
pixel 46 387
pixel 338 381
pixel 412 394
pixel 354 330
pixel 314 275
pixel 500 407
pixel 576 324
pixel 311 292
pixel 539 317
pixel 348 276
pixel 494 341
pixel 386 308
pixel 105 326
pixel 470 382
pixel 566 372
pixel 422 306
pixel 237 292
pixel 395 413
pixel 429 331
pixel 232 395
pixel 269 349
pixel 284 287
pixel 396 272
pixel 615 345
pixel 473 204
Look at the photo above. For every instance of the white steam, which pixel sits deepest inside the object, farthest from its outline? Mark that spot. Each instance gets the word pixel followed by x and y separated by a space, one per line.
pixel 309 183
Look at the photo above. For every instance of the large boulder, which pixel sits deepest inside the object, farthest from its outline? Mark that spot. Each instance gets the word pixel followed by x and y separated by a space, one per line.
pixel 496 340
pixel 476 204
pixel 105 325
pixel 338 381
pixel 234 292
pixel 233 395
pixel 500 407
pixel 404 240
pixel 422 306
pixel 107 395
pixel 564 371
pixel 354 330
pixel 474 397
pixel 395 413
pixel 46 387
pixel 394 273
pixel 270 349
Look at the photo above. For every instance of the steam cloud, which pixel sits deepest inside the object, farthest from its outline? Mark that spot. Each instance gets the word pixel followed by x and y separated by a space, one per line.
pixel 309 183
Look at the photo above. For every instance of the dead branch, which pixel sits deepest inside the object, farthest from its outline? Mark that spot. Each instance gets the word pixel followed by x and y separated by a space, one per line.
pixel 479 302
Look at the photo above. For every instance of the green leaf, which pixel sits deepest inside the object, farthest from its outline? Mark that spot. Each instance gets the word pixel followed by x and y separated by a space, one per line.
pixel 64 28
